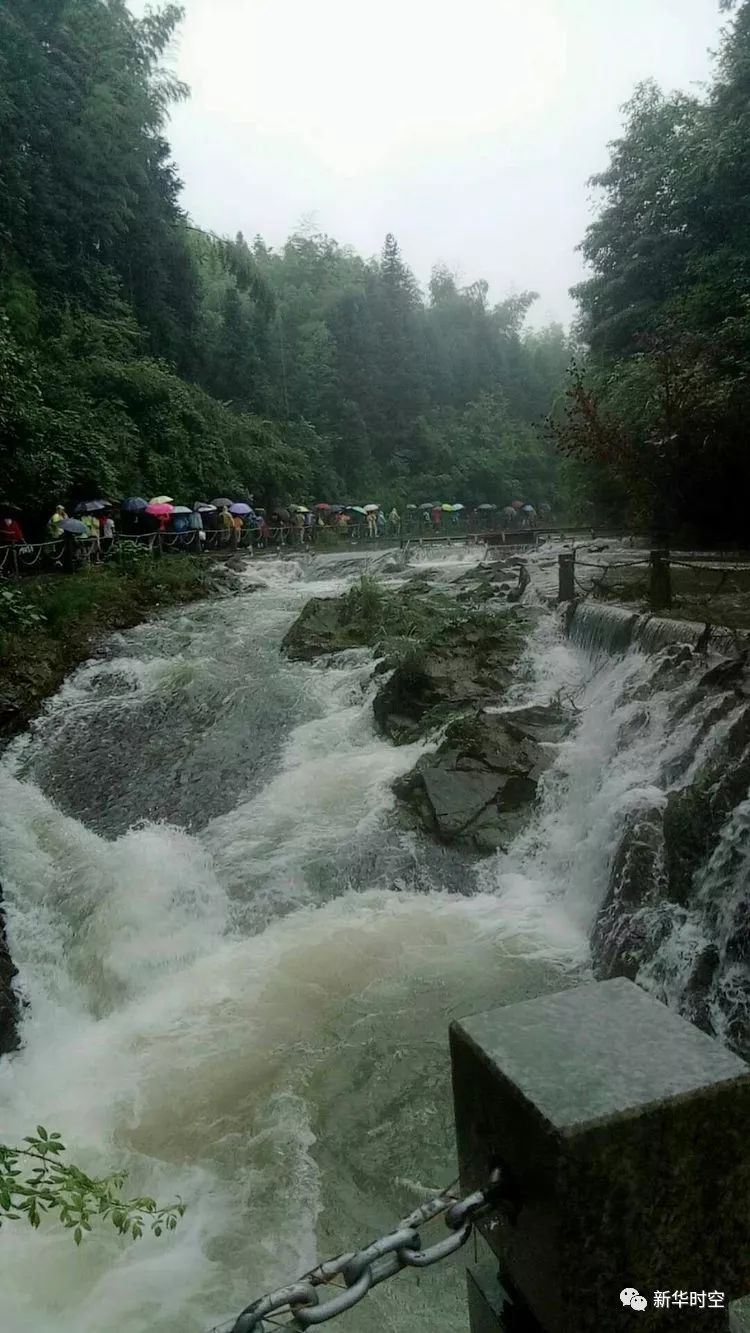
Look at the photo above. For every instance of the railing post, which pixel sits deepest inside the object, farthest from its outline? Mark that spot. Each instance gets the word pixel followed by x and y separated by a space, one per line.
pixel 620 1131
pixel 660 581
pixel 566 572
pixel 69 553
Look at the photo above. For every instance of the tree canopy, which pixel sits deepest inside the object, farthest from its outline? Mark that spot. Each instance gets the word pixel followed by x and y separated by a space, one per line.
pixel 657 414
pixel 138 352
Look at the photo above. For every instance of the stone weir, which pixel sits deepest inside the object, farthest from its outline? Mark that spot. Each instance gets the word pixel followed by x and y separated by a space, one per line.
pixel 599 627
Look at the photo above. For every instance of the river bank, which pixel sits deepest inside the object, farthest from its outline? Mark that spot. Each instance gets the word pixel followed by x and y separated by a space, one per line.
pixel 49 625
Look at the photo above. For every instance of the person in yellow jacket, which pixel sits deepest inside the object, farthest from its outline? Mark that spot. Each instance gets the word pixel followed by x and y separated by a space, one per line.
pixel 54 527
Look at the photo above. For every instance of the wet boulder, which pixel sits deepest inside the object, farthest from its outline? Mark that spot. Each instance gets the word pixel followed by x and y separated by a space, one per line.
pixel 469 663
pixel 9 1005
pixel 477 787
pixel 628 928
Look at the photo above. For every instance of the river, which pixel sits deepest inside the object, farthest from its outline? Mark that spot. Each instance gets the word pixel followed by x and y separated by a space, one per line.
pixel 241 970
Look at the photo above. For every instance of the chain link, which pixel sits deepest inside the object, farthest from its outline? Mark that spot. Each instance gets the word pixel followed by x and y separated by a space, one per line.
pixel 361 1270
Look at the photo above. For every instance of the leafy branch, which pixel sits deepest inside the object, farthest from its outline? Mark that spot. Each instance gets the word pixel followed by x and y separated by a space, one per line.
pixel 34 1180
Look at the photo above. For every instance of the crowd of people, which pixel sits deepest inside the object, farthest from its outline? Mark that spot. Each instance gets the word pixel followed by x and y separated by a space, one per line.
pixel 96 524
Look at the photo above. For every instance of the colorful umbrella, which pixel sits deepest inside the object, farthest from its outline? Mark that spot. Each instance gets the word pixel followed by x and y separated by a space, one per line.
pixel 159 509
pixel 356 509
pixel 222 503
pixel 457 508
pixel 240 509
pixel 134 505
pixel 299 509
pixel 161 500
pixel 448 509
pixel 323 506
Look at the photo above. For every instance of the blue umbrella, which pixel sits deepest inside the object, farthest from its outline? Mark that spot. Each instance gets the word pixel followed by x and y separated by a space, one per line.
pixel 242 510
pixel 73 526
pixel 91 506
pixel 135 505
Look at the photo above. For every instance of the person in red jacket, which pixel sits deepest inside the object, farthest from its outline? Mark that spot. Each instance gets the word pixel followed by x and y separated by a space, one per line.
pixel 10 531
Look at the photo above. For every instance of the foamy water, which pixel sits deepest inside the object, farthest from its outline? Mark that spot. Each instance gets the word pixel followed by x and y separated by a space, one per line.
pixel 240 967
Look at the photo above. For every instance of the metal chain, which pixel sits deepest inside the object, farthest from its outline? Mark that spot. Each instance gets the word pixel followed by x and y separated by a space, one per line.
pixel 354 1274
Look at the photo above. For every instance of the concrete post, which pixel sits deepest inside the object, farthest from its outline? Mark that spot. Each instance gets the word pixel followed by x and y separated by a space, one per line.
pixel 660 581
pixel 566 563
pixel 739 1316
pixel 621 1130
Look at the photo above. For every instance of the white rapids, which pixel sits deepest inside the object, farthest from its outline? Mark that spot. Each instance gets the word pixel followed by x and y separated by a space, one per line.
pixel 240 971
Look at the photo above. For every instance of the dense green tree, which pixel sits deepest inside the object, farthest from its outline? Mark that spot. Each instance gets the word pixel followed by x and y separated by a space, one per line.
pixel 665 395
pixel 138 352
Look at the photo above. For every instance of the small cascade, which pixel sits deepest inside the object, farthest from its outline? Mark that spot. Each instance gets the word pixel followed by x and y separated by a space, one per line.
pixel 598 628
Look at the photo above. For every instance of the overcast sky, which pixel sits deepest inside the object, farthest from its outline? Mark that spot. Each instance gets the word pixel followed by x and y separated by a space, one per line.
pixel 469 128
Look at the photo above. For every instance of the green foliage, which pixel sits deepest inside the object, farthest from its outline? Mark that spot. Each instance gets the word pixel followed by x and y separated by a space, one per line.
pixel 35 1181
pixel 138 353
pixel 16 612
pixel 662 404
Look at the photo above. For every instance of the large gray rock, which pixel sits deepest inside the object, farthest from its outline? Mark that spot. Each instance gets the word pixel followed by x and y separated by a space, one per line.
pixel 476 789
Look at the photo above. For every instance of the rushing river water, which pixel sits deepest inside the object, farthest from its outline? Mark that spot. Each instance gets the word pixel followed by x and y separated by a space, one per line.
pixel 241 970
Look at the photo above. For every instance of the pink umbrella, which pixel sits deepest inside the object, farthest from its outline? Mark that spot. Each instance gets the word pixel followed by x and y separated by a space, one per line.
pixel 159 510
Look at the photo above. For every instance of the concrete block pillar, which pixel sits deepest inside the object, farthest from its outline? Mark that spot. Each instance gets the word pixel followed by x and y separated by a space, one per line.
pixel 566 563
pixel 622 1131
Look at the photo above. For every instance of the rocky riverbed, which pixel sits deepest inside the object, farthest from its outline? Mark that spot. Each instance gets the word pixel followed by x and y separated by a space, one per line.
pixel 447 658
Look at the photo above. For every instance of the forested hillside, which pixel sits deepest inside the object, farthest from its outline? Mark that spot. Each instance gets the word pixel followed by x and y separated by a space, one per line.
pixel 658 417
pixel 138 353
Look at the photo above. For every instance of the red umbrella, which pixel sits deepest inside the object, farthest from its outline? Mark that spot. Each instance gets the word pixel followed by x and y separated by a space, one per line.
pixel 323 506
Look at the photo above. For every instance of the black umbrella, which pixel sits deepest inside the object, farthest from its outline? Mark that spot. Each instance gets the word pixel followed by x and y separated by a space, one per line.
pixel 91 506
pixel 223 502
pixel 134 505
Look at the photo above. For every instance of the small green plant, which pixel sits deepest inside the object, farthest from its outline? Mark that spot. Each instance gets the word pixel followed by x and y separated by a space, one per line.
pixel 16 611
pixel 366 601
pixel 34 1180
pixel 131 557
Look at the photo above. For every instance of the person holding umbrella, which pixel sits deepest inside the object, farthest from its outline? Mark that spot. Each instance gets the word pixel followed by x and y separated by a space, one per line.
pixel 91 524
pixel 54 527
